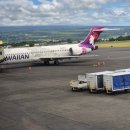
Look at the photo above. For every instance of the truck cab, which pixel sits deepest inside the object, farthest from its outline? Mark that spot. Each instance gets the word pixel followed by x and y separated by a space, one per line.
pixel 80 84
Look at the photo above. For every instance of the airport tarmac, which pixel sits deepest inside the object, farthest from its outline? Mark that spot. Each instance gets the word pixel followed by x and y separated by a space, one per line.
pixel 39 97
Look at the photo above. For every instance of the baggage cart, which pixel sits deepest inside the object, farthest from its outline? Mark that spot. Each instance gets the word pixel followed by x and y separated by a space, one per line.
pixel 116 82
pixel 95 81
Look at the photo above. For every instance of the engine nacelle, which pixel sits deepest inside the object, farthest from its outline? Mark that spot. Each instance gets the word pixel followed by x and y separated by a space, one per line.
pixel 75 51
pixel 79 51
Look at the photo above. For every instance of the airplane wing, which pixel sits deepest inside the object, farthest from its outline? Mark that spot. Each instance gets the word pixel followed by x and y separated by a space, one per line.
pixel 59 57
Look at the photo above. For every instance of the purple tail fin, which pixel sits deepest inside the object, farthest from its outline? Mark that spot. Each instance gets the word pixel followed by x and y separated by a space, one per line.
pixel 92 37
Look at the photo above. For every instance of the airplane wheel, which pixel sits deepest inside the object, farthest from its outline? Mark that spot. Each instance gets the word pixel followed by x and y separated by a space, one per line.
pixel 46 62
pixel 56 62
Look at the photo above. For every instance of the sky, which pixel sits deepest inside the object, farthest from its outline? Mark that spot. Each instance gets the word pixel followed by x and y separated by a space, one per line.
pixel 65 12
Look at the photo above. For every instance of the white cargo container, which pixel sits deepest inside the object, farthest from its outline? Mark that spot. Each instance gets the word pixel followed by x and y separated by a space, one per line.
pixel 116 81
pixel 123 70
pixel 79 84
pixel 95 81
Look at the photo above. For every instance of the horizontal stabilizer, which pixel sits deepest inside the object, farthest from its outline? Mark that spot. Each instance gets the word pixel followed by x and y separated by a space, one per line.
pixel 106 29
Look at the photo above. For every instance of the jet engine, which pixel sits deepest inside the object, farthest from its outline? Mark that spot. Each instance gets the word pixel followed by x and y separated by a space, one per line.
pixel 75 51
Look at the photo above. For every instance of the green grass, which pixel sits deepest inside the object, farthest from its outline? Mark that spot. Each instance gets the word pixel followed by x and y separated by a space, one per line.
pixel 114 44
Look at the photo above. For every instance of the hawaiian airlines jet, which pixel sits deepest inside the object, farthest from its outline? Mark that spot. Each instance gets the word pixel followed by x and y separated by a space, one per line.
pixel 52 53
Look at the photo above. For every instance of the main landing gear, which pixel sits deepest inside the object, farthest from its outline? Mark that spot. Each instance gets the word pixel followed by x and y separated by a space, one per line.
pixel 56 62
pixel 46 62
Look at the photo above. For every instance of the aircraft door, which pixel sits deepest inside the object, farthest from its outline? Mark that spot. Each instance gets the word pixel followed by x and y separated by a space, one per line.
pixel 71 51
pixel 100 81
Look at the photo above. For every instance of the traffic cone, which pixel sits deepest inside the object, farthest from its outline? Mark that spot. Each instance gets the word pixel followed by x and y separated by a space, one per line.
pixel 30 68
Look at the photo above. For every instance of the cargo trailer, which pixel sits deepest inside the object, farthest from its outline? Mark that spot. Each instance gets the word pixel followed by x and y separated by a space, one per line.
pixel 95 81
pixel 123 70
pixel 116 81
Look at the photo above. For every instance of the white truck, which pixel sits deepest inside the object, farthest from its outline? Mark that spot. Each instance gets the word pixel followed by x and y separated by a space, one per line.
pixel 80 84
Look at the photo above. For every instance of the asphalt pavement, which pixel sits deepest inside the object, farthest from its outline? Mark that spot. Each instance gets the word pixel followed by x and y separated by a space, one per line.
pixel 39 97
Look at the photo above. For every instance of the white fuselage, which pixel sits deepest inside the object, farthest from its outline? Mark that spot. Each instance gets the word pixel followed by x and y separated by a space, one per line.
pixel 28 54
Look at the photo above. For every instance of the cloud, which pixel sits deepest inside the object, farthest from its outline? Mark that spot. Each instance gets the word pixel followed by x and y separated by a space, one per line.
pixel 87 12
pixel 120 12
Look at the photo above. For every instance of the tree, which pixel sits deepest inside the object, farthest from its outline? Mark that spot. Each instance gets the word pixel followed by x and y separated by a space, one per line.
pixel 31 44
pixel 69 40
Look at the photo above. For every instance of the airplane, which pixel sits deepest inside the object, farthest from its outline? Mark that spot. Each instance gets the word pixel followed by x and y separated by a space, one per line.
pixel 53 53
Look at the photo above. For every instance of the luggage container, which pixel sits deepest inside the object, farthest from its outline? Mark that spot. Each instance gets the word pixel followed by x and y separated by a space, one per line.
pixel 117 82
pixel 95 81
pixel 79 84
pixel 123 70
